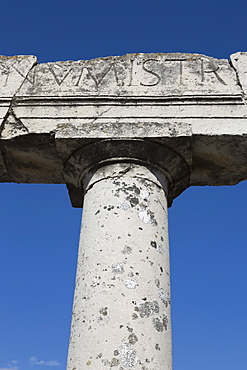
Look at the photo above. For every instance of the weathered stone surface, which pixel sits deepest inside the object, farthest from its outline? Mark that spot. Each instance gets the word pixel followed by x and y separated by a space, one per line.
pixel 121 314
pixel 239 62
pixel 146 75
pixel 13 72
pixel 190 103
pixel 128 134
pixel 160 159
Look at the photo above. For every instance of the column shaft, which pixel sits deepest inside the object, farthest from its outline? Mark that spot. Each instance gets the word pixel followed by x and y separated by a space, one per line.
pixel 121 313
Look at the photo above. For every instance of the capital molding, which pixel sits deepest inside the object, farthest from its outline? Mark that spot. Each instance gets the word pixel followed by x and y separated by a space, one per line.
pixel 161 160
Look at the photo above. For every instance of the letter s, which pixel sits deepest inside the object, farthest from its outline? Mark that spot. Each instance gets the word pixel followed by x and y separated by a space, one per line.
pixel 151 72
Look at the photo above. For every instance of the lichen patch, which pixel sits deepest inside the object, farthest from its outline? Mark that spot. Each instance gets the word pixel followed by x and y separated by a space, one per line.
pixel 158 323
pixel 127 250
pixel 164 297
pixel 128 355
pixel 132 338
pixel 117 268
pixel 130 283
pixel 147 309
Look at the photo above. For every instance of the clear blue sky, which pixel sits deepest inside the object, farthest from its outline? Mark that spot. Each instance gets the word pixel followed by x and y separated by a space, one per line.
pixel 40 230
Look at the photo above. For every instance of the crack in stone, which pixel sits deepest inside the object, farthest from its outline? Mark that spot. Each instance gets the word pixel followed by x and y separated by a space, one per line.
pixel 119 176
pixel 13 124
pixel 238 81
pixel 100 115
pixel 13 100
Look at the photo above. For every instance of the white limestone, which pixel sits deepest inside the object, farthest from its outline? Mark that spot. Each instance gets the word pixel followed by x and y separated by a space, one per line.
pixel 239 62
pixel 128 134
pixel 13 72
pixel 121 313
pixel 192 103
pixel 133 75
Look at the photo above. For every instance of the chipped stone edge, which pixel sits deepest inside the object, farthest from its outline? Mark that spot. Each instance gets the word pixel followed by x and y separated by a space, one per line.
pixel 169 56
pixel 10 110
pixel 233 64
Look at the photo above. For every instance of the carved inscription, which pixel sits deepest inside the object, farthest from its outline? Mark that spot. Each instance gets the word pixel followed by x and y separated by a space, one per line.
pixel 213 68
pixel 85 72
pixel 148 70
pixel 7 67
pixel 88 73
pixel 130 75
pixel 13 71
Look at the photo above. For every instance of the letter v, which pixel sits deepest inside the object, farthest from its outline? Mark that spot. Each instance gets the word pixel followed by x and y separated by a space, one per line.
pixel 61 80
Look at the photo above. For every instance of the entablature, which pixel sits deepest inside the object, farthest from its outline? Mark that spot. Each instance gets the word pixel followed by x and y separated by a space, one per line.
pixel 191 104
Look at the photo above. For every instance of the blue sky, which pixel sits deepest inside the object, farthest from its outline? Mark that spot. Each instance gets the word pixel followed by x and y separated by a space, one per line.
pixel 40 230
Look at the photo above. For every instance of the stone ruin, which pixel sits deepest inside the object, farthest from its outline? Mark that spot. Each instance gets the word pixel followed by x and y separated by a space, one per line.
pixel 126 135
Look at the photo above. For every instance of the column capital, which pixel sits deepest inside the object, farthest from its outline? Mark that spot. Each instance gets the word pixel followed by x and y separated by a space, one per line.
pixel 160 159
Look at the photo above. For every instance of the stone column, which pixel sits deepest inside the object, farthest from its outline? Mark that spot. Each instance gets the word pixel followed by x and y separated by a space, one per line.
pixel 121 314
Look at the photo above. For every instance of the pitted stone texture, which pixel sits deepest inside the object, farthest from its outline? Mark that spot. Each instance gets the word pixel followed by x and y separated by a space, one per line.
pixel 190 103
pixel 133 75
pixel 12 127
pixel 239 62
pixel 159 158
pixel 13 71
pixel 121 314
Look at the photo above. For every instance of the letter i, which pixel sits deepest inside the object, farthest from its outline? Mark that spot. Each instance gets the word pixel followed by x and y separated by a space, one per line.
pixel 131 71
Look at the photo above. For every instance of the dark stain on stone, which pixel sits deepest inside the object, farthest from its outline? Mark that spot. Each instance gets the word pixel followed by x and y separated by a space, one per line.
pixel 157 283
pixel 153 244
pixel 136 189
pixel 147 309
pixel 103 311
pixel 165 321
pixel 134 316
pixel 133 338
pixel 114 362
pixel 153 220
pixel 157 347
pixel 158 323
pixel 132 200
pixel 97 212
